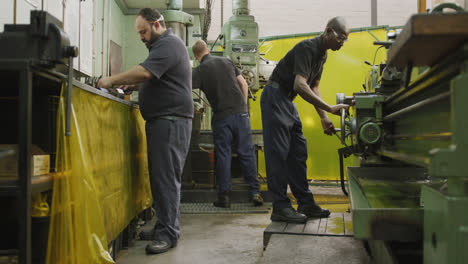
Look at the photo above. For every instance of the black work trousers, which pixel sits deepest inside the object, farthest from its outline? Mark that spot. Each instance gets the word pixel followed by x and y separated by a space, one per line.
pixel 168 143
pixel 285 149
pixel 235 128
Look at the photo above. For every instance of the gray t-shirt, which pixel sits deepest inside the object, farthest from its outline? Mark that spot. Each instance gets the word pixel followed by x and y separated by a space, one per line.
pixel 169 91
pixel 217 78
pixel 306 59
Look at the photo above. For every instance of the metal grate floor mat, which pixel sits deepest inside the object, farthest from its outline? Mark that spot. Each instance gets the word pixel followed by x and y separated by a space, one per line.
pixel 236 208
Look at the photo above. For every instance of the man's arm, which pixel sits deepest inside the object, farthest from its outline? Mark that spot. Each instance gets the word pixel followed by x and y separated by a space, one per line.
pixel 135 75
pixel 327 124
pixel 313 96
pixel 316 90
pixel 302 88
pixel 244 86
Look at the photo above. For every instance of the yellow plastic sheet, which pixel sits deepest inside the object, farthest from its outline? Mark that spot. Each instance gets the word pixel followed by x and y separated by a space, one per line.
pixel 101 181
pixel 344 72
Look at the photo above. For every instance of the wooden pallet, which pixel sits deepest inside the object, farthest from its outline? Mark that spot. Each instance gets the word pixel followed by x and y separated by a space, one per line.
pixel 337 224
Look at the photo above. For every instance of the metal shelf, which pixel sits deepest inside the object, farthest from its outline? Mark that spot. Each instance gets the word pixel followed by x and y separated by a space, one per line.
pixel 10 187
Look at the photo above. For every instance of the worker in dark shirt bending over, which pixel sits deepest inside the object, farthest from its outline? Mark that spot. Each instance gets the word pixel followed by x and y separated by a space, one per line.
pixel 227 93
pixel 298 72
pixel 166 103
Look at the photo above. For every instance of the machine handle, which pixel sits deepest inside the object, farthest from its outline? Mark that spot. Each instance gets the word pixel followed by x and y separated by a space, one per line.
pixel 343 130
pixel 70 52
pixel 69 96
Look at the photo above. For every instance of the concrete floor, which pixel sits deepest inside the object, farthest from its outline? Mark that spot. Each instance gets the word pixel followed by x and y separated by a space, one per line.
pixel 209 238
pixel 238 238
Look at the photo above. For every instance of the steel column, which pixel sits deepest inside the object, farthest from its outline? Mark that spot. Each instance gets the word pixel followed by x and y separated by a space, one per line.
pixel 24 164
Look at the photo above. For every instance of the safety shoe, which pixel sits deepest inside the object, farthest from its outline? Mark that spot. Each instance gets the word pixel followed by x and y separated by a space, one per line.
pixel 256 199
pixel 147 234
pixel 288 215
pixel 158 246
pixel 313 210
pixel 223 201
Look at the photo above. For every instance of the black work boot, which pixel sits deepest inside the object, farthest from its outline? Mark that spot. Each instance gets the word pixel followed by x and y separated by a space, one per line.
pixel 313 210
pixel 257 199
pixel 147 234
pixel 158 246
pixel 288 215
pixel 224 200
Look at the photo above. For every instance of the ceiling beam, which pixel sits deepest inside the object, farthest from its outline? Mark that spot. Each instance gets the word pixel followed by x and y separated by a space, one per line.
pixel 122 5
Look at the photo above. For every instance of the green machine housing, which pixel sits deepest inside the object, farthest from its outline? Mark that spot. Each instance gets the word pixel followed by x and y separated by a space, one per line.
pixel 181 23
pixel 239 38
pixel 409 194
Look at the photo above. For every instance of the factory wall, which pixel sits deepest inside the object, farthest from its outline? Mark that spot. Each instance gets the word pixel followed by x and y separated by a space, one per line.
pixel 100 49
pixel 275 17
pixel 395 12
pixel 110 26
pixel 135 50
pixel 6 13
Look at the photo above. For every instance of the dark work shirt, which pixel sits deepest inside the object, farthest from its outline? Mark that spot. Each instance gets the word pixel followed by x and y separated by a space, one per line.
pixel 217 78
pixel 306 59
pixel 169 91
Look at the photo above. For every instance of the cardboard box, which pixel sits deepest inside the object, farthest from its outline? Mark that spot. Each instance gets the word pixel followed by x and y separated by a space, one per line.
pixel 9 161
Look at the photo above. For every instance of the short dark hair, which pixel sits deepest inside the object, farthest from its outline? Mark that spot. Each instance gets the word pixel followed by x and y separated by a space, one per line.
pixel 199 47
pixel 151 15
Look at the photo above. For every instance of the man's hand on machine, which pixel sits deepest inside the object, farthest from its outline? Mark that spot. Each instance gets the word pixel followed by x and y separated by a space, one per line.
pixel 335 109
pixel 129 88
pixel 328 127
pixel 104 82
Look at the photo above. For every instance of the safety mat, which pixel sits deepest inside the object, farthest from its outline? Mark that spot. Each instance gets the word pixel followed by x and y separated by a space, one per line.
pixel 337 224
pixel 236 208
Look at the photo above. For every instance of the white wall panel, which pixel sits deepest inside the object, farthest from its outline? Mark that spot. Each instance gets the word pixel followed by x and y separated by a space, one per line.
pixel 86 36
pixel 55 8
pixel 71 24
pixel 395 12
pixel 279 17
pixel 23 10
pixel 6 13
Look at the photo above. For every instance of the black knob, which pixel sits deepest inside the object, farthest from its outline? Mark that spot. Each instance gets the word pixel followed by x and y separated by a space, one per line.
pixel 70 51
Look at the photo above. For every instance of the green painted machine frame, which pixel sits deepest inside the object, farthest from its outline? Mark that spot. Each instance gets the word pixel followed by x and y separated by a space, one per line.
pixel 239 37
pixel 240 43
pixel 409 196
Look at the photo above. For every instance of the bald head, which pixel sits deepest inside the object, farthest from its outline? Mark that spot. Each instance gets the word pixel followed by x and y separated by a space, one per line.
pixel 338 24
pixel 336 33
pixel 200 49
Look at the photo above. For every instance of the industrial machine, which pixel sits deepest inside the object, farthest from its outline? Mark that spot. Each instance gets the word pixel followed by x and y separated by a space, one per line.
pixel 239 38
pixel 239 41
pixel 408 129
pixel 178 20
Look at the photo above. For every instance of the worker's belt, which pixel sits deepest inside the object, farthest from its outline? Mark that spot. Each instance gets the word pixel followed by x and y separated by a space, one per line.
pixel 289 94
pixel 172 118
pixel 167 117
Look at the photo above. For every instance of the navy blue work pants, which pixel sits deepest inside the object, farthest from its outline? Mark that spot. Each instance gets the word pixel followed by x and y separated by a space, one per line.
pixel 235 129
pixel 168 143
pixel 285 149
